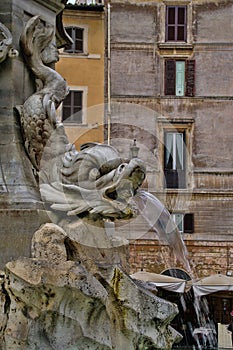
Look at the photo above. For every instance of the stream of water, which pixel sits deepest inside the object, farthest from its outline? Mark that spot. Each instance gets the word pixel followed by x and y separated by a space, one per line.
pixel 159 219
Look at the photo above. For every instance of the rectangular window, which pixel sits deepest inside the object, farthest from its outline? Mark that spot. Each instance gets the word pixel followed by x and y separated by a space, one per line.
pixel 72 107
pixel 76 35
pixel 184 222
pixel 174 159
pixel 176 23
pixel 179 221
pixel 179 77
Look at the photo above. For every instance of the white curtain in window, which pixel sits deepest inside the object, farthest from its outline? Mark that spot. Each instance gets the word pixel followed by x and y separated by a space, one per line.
pixel 169 145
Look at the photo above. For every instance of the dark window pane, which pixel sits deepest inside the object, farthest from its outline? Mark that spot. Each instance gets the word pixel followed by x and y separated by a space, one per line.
pixel 180 34
pixel 78 98
pixel 171 15
pixel 181 15
pixel 171 33
pixel 174 178
pixel 66 112
pixel 67 100
pixel 188 223
pixel 171 179
pixel 79 40
pixel 78 46
pixel 79 33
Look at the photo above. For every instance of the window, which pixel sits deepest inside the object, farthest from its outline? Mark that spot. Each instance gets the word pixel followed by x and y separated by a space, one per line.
pixel 77 35
pixel 176 23
pixel 184 222
pixel 72 107
pixel 179 77
pixel 174 159
pixel 179 221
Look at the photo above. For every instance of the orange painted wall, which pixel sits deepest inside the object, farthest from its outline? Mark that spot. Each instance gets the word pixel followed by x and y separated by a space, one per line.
pixel 86 70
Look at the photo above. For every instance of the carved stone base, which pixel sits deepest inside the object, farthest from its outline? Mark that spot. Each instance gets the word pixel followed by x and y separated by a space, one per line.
pixel 49 302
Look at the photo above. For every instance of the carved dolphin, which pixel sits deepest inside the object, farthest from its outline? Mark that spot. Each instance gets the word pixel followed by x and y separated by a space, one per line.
pixel 96 182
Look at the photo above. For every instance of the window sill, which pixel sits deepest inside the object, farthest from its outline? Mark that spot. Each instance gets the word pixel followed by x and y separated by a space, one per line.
pixel 81 125
pixel 81 55
pixel 175 49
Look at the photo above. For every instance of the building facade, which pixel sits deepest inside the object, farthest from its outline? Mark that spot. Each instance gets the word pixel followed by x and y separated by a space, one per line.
pixel 170 87
pixel 82 65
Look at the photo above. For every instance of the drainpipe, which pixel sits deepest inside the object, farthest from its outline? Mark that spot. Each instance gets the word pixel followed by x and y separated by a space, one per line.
pixel 109 77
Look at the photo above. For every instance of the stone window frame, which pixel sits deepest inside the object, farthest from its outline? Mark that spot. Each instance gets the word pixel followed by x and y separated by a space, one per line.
pixel 84 90
pixel 175 124
pixel 174 163
pixel 187 222
pixel 85 41
pixel 189 77
pixel 176 25
pixel 162 35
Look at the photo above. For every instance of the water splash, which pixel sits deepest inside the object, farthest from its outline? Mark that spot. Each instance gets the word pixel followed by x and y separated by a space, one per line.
pixel 161 222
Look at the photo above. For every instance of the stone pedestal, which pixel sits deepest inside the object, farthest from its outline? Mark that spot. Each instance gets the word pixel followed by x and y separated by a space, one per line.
pixel 19 195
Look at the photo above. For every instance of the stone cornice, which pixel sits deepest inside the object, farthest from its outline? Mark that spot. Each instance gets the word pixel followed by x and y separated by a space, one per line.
pixel 155 99
pixel 216 171
pixel 217 46
pixel 54 5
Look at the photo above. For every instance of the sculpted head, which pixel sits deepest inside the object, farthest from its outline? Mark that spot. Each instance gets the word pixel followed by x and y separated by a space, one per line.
pixel 97 183
pixel 50 54
pixel 37 41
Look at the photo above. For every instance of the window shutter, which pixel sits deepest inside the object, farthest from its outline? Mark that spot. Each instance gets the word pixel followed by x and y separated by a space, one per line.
pixel 190 78
pixel 170 77
pixel 188 223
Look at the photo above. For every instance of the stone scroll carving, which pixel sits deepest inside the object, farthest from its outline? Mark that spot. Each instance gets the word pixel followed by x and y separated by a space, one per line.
pixel 5 42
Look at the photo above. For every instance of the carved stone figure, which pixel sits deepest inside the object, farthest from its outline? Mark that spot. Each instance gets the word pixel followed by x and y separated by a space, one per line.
pixel 94 182
pixel 75 292
pixel 38 114
pixel 5 42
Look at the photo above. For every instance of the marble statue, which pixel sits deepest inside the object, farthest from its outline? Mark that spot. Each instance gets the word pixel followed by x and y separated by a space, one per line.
pixel 38 114
pixel 75 292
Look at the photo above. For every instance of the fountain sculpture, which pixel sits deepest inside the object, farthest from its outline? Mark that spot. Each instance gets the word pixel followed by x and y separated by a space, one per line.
pixel 74 292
